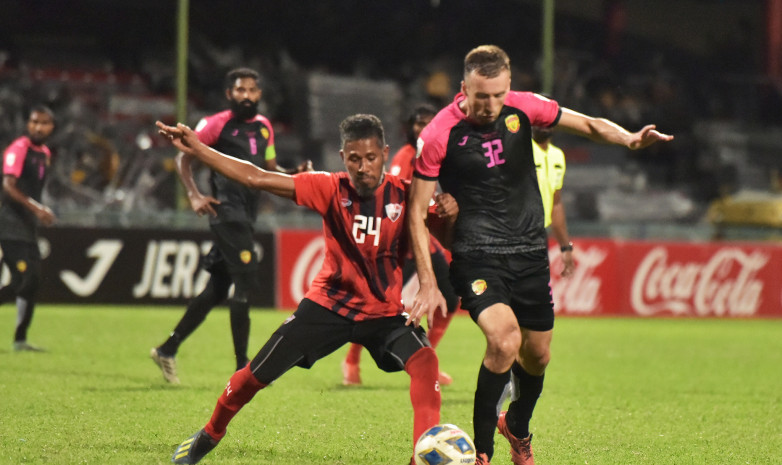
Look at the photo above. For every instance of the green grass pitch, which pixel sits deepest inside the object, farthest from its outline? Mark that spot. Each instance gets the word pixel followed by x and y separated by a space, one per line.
pixel 618 391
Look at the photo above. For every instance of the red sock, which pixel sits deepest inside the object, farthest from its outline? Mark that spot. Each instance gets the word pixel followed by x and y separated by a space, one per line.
pixel 439 325
pixel 354 354
pixel 424 390
pixel 240 389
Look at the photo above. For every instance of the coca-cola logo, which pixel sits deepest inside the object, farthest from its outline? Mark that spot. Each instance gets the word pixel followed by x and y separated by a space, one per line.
pixel 579 293
pixel 725 285
pixel 307 266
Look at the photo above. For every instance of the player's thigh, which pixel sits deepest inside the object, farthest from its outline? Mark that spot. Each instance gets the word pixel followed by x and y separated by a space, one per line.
pixel 531 297
pixel 501 329
pixel 390 342
pixel 235 242
pixel 309 334
pixel 480 281
pixel 22 258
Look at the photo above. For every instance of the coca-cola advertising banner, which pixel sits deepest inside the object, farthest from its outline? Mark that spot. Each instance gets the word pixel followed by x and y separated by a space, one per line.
pixel 134 266
pixel 643 278
pixel 630 278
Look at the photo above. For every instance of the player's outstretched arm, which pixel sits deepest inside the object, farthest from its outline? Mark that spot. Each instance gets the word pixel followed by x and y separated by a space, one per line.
pixel 240 171
pixel 606 131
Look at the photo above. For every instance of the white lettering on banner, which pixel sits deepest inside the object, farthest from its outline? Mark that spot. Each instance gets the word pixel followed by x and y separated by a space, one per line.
pixel 580 293
pixel 307 265
pixel 105 251
pixel 725 285
pixel 171 270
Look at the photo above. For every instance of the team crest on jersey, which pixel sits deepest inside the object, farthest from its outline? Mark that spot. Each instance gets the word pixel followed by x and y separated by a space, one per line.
pixel 21 265
pixel 419 147
pixel 265 133
pixel 393 211
pixel 245 256
pixel 346 202
pixel 512 123
pixel 478 286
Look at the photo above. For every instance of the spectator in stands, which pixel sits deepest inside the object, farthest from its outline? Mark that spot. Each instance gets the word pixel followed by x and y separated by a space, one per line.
pixel 25 165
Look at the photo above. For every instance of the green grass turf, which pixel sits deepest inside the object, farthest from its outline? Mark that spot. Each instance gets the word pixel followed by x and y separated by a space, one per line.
pixel 618 391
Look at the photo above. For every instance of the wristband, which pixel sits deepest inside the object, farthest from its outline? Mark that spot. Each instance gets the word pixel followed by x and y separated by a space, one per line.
pixel 567 248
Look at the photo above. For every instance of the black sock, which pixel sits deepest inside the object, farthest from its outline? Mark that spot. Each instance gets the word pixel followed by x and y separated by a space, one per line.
pixel 195 314
pixel 527 389
pixel 24 309
pixel 486 408
pixel 240 329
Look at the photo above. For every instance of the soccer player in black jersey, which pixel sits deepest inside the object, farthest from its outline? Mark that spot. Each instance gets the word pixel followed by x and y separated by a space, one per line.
pixel 25 165
pixel 232 208
pixel 479 148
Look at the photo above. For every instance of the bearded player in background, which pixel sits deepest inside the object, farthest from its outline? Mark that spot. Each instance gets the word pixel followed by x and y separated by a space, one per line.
pixel 232 208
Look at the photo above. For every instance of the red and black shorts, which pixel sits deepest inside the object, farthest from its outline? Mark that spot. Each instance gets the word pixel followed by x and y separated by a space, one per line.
pixel 521 281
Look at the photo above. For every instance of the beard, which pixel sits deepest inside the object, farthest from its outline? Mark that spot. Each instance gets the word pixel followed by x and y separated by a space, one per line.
pixel 245 109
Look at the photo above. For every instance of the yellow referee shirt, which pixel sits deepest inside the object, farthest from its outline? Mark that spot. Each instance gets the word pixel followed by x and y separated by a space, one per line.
pixel 550 167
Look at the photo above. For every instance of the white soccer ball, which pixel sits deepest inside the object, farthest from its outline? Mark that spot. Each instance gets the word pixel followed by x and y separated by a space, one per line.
pixel 444 444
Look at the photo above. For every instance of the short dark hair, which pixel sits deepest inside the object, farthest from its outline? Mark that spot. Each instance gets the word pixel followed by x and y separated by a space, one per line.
pixel 420 110
pixel 486 60
pixel 361 126
pixel 239 73
pixel 41 108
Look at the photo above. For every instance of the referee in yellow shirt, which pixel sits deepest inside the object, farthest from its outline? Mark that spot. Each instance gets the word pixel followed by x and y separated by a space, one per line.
pixel 550 167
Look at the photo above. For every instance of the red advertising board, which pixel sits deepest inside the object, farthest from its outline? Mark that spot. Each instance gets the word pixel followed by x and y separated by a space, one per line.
pixel 299 258
pixel 629 278
pixel 671 279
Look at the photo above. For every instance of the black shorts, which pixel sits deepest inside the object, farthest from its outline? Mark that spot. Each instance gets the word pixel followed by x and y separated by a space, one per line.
pixel 21 257
pixel 521 281
pixel 234 248
pixel 313 332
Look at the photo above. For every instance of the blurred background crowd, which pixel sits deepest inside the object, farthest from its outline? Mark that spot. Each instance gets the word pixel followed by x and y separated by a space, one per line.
pixel 699 69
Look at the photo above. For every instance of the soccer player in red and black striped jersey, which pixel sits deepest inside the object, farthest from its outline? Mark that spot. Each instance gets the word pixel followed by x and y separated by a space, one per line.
pixel 356 296
pixel 402 165
pixel 232 208
pixel 479 149
pixel 25 165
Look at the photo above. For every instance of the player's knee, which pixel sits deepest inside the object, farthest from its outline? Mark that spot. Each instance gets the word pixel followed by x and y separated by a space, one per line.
pixel 503 343
pixel 536 357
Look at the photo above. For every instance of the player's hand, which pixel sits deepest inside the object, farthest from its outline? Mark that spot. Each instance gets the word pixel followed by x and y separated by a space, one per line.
pixel 646 137
pixel 202 204
pixel 45 215
pixel 305 166
pixel 426 302
pixel 446 207
pixel 569 264
pixel 180 135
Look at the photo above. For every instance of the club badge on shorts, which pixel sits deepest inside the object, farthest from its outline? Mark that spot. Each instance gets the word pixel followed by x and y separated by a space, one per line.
pixel 21 265
pixel 245 256
pixel 478 286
